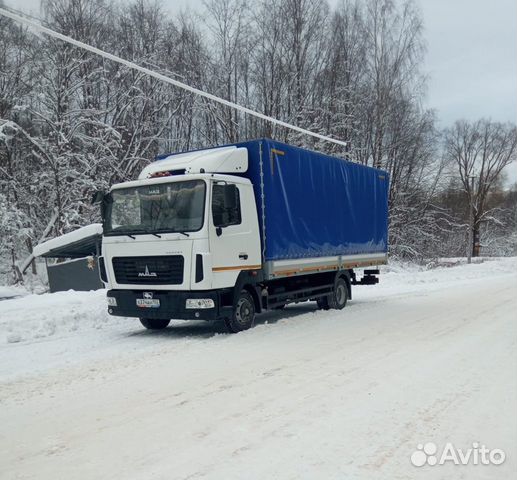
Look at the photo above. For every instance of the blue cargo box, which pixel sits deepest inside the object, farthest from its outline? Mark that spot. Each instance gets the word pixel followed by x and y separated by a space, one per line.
pixel 315 205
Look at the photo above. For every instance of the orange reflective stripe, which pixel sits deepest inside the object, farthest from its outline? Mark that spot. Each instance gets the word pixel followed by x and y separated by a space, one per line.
pixel 238 267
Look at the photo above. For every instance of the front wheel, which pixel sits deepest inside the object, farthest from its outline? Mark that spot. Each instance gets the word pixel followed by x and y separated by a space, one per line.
pixel 243 316
pixel 154 323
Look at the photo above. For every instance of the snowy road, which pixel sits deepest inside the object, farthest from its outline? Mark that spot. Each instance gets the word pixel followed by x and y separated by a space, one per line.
pixel 424 357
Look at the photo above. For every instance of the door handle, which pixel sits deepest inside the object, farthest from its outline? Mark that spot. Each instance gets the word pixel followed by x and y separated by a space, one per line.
pixel 243 256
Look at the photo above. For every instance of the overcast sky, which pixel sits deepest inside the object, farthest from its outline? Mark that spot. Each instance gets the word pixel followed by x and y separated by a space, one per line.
pixel 471 58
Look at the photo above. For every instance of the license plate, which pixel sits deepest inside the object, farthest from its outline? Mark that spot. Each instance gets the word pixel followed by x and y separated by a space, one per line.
pixel 148 302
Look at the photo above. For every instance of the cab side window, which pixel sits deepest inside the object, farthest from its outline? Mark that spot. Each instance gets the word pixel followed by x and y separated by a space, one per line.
pixel 226 205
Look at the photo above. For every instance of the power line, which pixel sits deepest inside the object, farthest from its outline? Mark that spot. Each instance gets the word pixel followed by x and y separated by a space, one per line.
pixel 65 38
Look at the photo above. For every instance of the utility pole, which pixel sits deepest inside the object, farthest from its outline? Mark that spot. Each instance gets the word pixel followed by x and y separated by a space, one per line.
pixel 470 242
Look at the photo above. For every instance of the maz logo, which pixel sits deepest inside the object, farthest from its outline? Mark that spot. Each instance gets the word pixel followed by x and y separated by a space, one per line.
pixel 147 273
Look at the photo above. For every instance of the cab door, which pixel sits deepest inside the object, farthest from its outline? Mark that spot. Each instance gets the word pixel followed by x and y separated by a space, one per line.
pixel 234 232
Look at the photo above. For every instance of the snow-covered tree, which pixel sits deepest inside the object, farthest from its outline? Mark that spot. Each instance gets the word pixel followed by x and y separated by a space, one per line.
pixel 72 122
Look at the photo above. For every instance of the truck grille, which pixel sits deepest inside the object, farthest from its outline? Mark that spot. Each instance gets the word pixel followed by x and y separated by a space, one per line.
pixel 162 270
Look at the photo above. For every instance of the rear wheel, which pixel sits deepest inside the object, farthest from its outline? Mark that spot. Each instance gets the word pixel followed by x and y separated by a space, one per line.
pixel 154 323
pixel 243 316
pixel 338 298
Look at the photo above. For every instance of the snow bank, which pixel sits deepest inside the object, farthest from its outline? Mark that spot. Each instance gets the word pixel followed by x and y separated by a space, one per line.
pixel 35 317
pixel 444 271
pixel 12 292
pixel 38 316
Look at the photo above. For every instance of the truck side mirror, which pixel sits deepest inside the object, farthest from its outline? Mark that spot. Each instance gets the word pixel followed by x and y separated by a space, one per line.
pixel 97 197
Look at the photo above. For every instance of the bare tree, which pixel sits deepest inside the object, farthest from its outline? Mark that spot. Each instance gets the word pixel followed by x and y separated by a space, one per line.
pixel 480 151
pixel 228 24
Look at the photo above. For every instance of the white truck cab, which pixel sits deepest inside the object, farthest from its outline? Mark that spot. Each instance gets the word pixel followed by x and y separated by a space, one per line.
pixel 181 227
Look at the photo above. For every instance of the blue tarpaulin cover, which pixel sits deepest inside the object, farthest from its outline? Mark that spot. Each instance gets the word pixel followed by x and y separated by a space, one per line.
pixel 317 205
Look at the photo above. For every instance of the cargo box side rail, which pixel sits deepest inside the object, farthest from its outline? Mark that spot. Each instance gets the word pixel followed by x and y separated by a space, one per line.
pixel 275 269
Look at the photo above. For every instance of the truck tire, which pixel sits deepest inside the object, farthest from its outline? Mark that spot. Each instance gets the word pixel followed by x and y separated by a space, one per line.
pixel 338 298
pixel 243 316
pixel 154 323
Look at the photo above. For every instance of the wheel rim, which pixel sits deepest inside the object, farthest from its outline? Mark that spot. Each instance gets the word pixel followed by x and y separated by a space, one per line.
pixel 244 311
pixel 341 293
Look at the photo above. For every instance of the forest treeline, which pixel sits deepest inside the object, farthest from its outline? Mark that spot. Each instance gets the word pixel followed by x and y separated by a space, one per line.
pixel 72 122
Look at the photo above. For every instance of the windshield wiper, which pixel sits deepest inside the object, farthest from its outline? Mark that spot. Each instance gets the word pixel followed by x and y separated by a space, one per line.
pixel 159 236
pixel 116 231
pixel 148 232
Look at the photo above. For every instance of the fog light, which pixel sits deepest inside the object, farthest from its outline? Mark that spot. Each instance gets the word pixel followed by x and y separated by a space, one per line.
pixel 199 303
pixel 112 301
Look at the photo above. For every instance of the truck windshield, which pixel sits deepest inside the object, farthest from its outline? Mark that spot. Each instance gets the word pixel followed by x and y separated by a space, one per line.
pixel 158 208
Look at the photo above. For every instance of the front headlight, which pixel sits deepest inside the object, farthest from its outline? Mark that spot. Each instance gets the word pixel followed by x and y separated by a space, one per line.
pixel 199 303
pixel 112 301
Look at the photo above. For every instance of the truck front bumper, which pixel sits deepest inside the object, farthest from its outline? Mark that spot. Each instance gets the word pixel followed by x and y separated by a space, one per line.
pixel 172 305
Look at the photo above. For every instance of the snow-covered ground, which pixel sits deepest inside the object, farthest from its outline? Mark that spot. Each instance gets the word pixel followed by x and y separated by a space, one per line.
pixel 11 292
pixel 425 356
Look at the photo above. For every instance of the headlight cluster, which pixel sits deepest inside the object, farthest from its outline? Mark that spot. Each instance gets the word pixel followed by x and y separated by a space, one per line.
pixel 199 303
pixel 112 301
